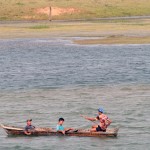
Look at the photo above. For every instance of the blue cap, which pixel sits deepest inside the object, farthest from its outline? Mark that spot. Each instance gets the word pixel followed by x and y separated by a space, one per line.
pixel 101 110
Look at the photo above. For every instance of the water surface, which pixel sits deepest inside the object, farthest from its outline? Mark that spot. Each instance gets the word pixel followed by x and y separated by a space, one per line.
pixel 46 79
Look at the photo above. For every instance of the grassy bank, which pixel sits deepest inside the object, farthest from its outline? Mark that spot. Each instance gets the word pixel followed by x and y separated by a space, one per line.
pixel 26 9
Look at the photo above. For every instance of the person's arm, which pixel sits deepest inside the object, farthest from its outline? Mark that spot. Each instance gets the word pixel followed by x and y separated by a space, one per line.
pixel 107 121
pixel 68 129
pixel 33 127
pixel 26 131
pixel 58 130
pixel 61 131
pixel 91 119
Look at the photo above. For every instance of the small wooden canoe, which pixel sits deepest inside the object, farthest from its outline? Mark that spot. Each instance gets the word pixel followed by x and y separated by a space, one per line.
pixel 11 130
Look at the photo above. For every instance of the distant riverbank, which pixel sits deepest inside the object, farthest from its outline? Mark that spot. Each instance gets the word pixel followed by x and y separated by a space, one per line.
pixel 98 31
pixel 71 9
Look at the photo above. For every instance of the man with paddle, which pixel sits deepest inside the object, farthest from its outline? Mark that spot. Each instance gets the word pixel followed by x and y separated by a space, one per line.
pixel 104 121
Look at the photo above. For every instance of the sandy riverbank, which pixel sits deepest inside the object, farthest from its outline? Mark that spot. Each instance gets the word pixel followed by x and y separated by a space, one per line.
pixel 130 31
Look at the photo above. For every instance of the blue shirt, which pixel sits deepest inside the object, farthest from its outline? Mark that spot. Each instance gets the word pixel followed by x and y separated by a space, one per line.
pixel 59 128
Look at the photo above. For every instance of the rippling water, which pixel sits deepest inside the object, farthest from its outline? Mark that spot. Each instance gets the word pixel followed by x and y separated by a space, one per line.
pixel 47 79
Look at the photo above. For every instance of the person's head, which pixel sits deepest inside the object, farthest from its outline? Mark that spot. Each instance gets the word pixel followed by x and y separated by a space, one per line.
pixel 61 121
pixel 29 122
pixel 100 111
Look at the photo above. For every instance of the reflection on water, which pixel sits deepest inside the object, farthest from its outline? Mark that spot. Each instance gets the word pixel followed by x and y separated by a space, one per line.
pixel 47 79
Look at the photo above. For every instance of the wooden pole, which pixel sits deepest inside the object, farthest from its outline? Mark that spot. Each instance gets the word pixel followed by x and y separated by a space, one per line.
pixel 50 13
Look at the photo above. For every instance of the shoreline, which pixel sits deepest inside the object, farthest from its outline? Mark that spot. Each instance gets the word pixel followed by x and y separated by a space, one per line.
pixel 114 40
pixel 116 31
pixel 76 20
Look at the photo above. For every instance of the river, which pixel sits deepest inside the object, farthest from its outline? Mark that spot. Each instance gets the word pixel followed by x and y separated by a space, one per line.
pixel 45 79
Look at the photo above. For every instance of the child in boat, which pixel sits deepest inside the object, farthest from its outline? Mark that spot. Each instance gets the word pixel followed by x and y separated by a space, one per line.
pixel 104 121
pixel 29 127
pixel 60 128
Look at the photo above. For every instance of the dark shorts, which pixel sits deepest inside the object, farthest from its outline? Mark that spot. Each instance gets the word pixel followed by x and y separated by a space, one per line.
pixel 100 129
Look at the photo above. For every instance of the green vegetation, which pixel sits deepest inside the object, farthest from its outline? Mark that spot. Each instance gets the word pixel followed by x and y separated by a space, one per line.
pixel 19 3
pixel 26 9
pixel 39 27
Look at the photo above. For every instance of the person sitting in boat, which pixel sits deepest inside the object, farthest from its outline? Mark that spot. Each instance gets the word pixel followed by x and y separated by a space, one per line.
pixel 104 121
pixel 29 127
pixel 60 128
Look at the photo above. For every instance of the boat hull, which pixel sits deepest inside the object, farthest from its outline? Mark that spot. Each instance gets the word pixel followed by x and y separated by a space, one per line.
pixel 15 131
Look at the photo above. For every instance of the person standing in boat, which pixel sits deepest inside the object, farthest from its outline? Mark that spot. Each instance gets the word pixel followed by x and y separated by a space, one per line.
pixel 29 127
pixel 60 128
pixel 104 121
